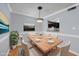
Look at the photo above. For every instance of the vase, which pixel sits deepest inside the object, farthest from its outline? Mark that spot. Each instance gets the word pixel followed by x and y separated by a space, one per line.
pixel 13 46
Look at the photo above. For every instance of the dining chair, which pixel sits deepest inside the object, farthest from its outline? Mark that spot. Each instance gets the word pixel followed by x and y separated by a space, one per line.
pixel 61 50
pixel 25 48
pixel 64 48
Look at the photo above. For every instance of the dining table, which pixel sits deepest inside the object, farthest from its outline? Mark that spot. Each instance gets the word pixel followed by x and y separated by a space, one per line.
pixel 45 43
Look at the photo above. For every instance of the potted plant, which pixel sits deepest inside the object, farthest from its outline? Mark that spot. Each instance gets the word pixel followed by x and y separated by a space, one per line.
pixel 14 36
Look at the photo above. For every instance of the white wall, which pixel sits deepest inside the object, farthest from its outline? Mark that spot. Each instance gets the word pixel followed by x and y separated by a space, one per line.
pixel 4 44
pixel 4 41
pixel 68 20
pixel 18 21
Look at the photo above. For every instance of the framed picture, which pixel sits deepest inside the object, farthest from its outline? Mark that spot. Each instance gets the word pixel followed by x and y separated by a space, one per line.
pixel 4 23
pixel 53 26
pixel 29 27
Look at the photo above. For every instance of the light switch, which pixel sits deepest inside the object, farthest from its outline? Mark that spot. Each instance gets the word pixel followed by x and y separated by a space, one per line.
pixel 73 28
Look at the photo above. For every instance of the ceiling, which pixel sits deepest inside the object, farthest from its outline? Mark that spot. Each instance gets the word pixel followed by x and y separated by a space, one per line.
pixel 30 9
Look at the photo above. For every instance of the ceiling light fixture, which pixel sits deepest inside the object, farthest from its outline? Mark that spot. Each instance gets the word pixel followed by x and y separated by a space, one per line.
pixel 39 19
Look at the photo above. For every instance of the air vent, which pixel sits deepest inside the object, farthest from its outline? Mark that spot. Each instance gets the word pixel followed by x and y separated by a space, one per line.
pixel 72 8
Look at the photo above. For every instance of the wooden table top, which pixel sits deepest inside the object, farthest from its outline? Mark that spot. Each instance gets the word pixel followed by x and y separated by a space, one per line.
pixel 41 41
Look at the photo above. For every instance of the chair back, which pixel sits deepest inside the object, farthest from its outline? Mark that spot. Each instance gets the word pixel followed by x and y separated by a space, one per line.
pixel 24 44
pixel 64 49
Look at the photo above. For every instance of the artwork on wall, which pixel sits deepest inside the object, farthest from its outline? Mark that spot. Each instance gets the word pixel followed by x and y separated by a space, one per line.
pixel 53 26
pixel 4 23
pixel 29 27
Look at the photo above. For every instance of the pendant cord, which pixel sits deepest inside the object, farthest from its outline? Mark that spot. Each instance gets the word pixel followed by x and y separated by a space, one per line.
pixel 39 13
pixel 39 8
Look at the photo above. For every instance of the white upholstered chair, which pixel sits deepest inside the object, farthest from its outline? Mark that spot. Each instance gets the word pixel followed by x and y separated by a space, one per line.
pixel 64 48
pixel 24 44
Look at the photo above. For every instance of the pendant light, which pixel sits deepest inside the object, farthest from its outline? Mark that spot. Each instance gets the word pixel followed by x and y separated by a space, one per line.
pixel 39 19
